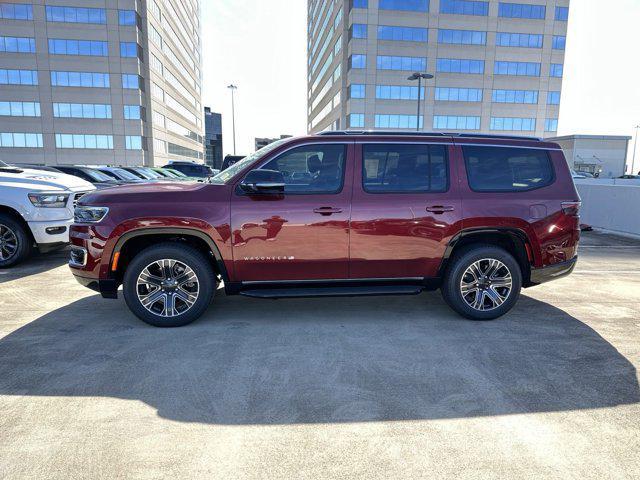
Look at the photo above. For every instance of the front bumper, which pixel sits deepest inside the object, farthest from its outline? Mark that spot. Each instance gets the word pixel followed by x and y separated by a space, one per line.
pixel 51 231
pixel 107 288
pixel 552 272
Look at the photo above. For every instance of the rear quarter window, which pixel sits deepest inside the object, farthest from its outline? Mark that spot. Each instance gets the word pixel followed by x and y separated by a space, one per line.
pixel 507 169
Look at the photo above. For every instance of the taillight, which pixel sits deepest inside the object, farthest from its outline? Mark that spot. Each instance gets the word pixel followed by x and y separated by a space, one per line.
pixel 571 208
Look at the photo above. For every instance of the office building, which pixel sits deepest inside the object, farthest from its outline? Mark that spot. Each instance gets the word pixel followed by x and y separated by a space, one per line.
pixel 212 138
pixel 100 82
pixel 263 142
pixel 498 66
pixel 602 155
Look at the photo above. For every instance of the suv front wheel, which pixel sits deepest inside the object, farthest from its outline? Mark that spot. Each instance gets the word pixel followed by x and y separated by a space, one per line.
pixel 169 285
pixel 482 282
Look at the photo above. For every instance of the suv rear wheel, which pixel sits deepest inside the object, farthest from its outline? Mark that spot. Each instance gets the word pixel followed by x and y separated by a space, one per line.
pixel 169 285
pixel 15 244
pixel 482 282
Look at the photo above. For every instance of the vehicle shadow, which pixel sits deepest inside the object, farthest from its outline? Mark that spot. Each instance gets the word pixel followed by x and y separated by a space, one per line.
pixel 36 264
pixel 252 361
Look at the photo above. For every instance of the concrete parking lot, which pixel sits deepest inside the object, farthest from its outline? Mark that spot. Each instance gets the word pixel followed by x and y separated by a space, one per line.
pixel 388 387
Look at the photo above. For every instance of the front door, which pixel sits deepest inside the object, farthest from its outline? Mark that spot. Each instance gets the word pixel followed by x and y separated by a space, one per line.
pixel 405 209
pixel 303 233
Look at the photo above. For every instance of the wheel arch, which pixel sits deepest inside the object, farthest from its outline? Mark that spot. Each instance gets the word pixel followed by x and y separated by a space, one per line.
pixel 15 215
pixel 513 240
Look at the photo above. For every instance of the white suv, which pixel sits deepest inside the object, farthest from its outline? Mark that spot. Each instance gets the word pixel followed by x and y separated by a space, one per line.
pixel 36 207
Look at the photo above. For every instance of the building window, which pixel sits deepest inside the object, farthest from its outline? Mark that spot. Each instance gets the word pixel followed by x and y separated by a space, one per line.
pixel 556 70
pixel 515 96
pixel 337 46
pixel 414 64
pixel 159 146
pixel 18 77
pixel 17 44
pixel 157 92
pixel 513 124
pixel 559 42
pixel 155 9
pixel 397 121
pixel 456 65
pixel 525 40
pixel 156 64
pixel 453 122
pixel 520 10
pixel 183 151
pixel 358 30
pixel 80 141
pixel 15 11
pixel 358 61
pixel 19 109
pixel 81 110
pixel 357 91
pixel 402 34
pixel 133 142
pixel 464 7
pixel 517 68
pixel 155 36
pixel 130 81
pixel 336 73
pixel 128 49
pixel 360 4
pixel 94 48
pixel 356 120
pixel 551 125
pixel 76 15
pixel 462 37
pixel 397 92
pixel 127 17
pixel 553 98
pixel 452 94
pixel 562 14
pixel 408 5
pixel 80 79
pixel 20 140
pixel 158 119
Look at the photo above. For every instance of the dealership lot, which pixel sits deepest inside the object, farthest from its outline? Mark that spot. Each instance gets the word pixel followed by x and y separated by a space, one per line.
pixel 384 387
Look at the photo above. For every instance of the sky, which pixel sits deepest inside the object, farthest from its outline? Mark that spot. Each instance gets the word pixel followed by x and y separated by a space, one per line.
pixel 260 46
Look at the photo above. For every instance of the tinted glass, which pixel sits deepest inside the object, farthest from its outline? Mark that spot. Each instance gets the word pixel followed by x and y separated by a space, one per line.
pixel 311 169
pixel 500 169
pixel 404 168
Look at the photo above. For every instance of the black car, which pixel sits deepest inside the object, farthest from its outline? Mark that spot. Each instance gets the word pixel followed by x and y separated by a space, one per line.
pixel 230 160
pixel 192 169
pixel 91 175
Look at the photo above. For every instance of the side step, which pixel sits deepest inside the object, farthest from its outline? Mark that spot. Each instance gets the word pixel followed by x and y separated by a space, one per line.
pixel 354 291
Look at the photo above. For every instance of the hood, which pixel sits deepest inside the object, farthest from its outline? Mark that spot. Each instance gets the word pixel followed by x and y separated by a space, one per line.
pixel 161 191
pixel 40 180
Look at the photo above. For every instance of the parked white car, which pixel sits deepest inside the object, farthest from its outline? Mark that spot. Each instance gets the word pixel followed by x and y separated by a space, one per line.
pixel 36 208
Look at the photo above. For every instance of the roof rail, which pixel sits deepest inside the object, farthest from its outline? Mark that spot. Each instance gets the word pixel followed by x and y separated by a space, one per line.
pixel 414 133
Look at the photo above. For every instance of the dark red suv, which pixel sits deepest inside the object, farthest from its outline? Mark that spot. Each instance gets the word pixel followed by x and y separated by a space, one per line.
pixel 339 214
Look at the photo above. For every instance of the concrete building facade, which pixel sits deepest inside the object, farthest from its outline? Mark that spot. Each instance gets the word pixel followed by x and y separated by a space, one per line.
pixel 605 155
pixel 498 65
pixel 100 82
pixel 264 141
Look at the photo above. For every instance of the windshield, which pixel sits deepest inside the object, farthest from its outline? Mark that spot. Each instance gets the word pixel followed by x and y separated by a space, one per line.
pixel 177 173
pixel 123 174
pixel 151 173
pixel 97 175
pixel 226 175
pixel 2 164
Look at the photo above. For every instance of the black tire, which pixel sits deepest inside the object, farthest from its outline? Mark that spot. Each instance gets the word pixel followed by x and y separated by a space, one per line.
pixel 10 228
pixel 184 254
pixel 461 261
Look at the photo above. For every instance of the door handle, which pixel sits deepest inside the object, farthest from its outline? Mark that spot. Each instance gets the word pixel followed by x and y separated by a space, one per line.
pixel 440 209
pixel 327 210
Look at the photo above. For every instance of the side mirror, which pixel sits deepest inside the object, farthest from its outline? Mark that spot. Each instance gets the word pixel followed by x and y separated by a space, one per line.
pixel 263 181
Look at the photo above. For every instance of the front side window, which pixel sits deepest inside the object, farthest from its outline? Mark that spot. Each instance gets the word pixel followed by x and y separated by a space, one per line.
pixel 505 169
pixel 311 169
pixel 404 168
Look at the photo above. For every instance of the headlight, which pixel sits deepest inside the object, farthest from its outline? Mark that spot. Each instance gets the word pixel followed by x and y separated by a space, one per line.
pixel 49 200
pixel 90 214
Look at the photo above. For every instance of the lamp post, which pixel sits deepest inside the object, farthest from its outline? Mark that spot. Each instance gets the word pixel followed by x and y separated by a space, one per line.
pixel 635 144
pixel 419 76
pixel 233 88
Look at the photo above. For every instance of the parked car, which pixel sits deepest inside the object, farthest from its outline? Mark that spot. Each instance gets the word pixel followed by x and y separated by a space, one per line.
pixel 191 169
pixel 629 177
pixel 230 160
pixel 36 208
pixel 143 173
pixel 120 174
pixel 33 166
pixel 181 175
pixel 341 214
pixel 91 175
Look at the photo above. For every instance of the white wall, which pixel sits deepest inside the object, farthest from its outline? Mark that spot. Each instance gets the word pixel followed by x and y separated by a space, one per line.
pixel 609 206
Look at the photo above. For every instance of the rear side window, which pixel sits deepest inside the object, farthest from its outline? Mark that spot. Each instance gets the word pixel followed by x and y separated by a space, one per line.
pixel 404 168
pixel 503 169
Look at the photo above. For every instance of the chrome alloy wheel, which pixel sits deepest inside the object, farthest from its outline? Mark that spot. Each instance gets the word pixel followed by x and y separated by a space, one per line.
pixel 167 288
pixel 8 243
pixel 486 284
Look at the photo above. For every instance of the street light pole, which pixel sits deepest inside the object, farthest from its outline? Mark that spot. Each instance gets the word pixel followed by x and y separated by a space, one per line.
pixel 419 76
pixel 635 144
pixel 233 88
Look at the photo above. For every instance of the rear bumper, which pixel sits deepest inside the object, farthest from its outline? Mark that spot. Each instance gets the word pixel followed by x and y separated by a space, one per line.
pixel 552 272
pixel 106 288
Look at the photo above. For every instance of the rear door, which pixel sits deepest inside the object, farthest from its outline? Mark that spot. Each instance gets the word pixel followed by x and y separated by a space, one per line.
pixel 303 233
pixel 405 209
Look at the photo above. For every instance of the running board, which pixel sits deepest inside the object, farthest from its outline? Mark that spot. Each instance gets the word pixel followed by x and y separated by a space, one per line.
pixel 346 291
